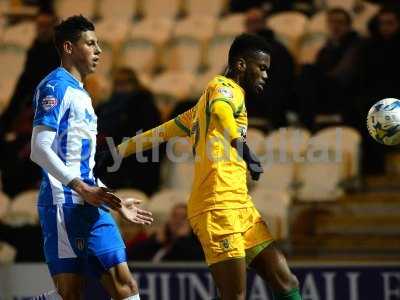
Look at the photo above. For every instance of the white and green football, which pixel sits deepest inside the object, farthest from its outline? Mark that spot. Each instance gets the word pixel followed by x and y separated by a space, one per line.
pixel 383 121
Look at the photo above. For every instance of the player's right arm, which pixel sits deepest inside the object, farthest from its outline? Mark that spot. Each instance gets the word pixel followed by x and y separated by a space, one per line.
pixel 178 127
pixel 48 105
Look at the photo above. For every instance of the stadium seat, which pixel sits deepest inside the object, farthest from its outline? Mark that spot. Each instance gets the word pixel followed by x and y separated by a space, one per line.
pixel 12 61
pixel 198 27
pixel 8 253
pixel 317 24
pixel 184 54
pixel 348 141
pixel 274 208
pixel 315 187
pixel 187 49
pixel 289 28
pixel 217 54
pixel 162 202
pixel 284 148
pixel 362 16
pixel 20 35
pixel 123 12
pixel 292 140
pixel 231 25
pixel 6 89
pixel 112 32
pixel 346 4
pixel 310 46
pixel 175 84
pixel 139 54
pixel 23 209
pixel 334 151
pixel 256 140
pixel 4 204
pixel 170 88
pixel 67 8
pixel 204 7
pixel 158 30
pixel 202 80
pixel 159 9
pixel 178 169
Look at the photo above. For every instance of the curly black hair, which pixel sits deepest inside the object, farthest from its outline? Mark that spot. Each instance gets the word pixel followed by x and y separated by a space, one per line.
pixel 70 30
pixel 246 45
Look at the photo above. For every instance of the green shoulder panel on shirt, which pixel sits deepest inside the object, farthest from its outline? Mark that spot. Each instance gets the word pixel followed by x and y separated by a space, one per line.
pixel 181 126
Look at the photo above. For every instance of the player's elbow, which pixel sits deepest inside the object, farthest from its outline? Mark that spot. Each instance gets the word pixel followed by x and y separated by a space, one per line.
pixel 36 153
pixel 33 156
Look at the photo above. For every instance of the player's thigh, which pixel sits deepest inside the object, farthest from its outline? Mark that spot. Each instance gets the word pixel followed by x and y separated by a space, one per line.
pixel 257 236
pixel 119 282
pixel 230 278
pixel 272 266
pixel 70 286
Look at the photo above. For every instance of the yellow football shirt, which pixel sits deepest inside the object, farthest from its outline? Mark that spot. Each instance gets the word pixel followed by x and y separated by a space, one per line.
pixel 220 174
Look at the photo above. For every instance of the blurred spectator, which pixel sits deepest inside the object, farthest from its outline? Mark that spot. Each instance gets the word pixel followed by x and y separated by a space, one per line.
pixel 380 64
pixel 326 90
pixel 271 5
pixel 21 236
pixel 242 6
pixel 272 105
pixel 130 109
pixel 174 241
pixel 16 121
pixel 42 57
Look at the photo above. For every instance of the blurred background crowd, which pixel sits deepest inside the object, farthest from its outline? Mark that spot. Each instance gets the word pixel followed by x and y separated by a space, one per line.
pixel 331 60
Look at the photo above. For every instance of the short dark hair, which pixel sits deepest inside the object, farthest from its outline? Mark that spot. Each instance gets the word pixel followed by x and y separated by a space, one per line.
pixel 70 30
pixel 390 9
pixel 247 44
pixel 340 11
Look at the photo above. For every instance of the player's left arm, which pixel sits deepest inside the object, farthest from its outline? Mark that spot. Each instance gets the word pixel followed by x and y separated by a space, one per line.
pixel 222 109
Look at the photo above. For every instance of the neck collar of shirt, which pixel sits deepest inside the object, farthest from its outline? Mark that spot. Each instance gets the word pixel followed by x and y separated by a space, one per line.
pixel 72 76
pixel 233 82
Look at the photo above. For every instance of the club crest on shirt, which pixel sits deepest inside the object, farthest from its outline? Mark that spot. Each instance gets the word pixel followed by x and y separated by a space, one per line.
pixel 225 245
pixel 225 91
pixel 49 102
pixel 80 244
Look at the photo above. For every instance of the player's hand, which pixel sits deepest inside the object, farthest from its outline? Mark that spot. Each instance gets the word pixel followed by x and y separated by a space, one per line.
pixel 131 213
pixel 253 163
pixel 255 169
pixel 94 195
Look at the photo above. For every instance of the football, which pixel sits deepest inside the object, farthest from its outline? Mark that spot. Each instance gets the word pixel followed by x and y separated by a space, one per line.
pixel 383 121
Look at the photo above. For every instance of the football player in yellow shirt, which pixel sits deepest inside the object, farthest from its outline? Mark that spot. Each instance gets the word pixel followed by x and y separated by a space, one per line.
pixel 221 213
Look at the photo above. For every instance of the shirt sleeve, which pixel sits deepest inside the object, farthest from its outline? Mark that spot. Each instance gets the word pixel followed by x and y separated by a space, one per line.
pixel 43 154
pixel 47 104
pixel 184 120
pixel 223 112
pixel 225 92
pixel 151 138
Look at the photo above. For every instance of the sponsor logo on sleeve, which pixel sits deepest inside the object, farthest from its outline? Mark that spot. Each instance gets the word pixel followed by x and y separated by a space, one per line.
pixel 49 102
pixel 225 91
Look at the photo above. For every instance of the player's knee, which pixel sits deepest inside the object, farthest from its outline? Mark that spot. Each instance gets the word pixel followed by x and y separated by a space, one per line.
pixel 127 288
pixel 133 287
pixel 292 282
pixel 287 283
pixel 233 292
